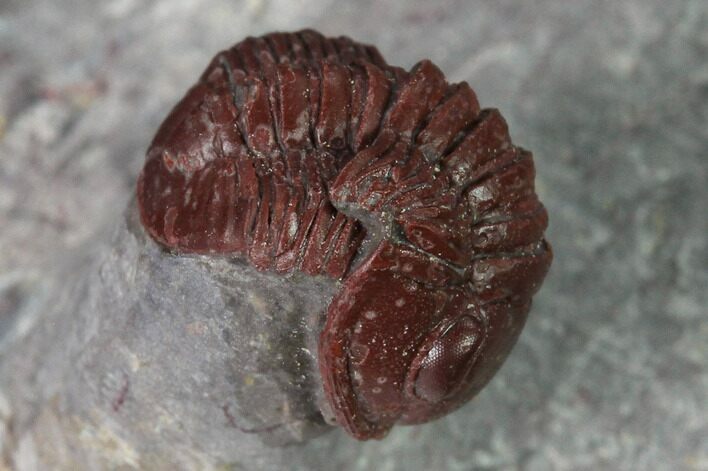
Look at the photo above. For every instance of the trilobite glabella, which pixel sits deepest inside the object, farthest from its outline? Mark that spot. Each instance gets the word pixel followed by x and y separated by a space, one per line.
pixel 301 153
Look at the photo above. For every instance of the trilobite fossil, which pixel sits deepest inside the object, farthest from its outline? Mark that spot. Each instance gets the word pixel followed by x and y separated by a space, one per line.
pixel 300 153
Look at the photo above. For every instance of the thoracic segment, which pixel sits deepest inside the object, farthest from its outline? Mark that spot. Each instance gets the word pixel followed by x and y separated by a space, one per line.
pixel 288 139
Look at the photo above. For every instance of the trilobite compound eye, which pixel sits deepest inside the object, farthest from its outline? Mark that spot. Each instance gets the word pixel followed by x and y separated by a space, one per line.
pixel 447 360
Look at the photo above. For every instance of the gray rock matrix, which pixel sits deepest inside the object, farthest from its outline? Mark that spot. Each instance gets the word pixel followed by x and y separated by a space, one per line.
pixel 116 355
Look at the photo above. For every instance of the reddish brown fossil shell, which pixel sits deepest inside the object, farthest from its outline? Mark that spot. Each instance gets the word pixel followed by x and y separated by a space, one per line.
pixel 294 150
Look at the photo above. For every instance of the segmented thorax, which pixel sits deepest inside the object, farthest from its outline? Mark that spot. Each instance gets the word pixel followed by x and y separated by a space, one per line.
pixel 294 149
pixel 243 165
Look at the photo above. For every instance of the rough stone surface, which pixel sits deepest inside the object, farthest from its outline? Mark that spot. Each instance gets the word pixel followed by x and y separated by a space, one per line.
pixel 149 353
pixel 612 97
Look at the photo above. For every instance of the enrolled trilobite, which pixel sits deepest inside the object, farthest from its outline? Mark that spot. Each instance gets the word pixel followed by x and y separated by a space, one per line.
pixel 294 149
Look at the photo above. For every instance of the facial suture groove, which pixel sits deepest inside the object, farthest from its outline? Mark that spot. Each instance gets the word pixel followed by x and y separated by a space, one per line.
pixel 300 153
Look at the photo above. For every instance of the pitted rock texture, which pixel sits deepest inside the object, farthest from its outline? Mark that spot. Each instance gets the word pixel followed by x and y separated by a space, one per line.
pixel 612 366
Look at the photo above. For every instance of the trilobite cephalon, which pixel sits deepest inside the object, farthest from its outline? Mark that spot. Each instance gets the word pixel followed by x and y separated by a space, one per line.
pixel 303 153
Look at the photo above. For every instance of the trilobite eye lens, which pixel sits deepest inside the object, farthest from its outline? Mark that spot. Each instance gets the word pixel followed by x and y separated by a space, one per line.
pixel 448 360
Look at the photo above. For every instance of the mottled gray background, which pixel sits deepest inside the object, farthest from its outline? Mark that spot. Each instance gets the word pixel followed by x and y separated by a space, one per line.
pixel 612 97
